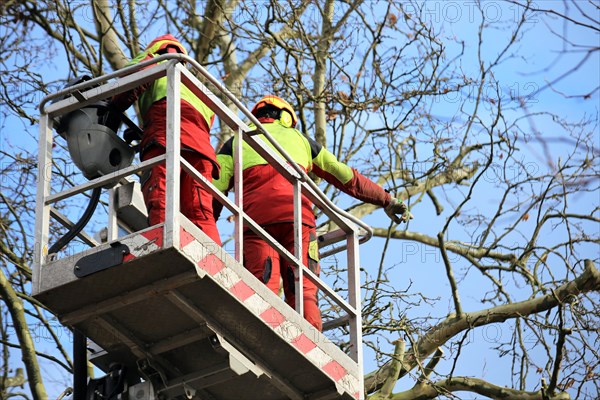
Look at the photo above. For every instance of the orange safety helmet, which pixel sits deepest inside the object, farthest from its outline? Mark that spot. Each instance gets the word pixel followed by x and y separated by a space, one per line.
pixel 288 116
pixel 163 43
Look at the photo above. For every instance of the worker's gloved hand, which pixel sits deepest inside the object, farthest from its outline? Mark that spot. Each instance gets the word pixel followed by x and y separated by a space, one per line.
pixel 398 211
pixel 131 134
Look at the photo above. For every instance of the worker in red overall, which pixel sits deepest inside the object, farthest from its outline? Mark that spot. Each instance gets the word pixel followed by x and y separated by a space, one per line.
pixel 268 200
pixel 196 121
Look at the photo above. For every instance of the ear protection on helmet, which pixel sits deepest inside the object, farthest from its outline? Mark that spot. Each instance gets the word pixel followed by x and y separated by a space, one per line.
pixel 286 119
pixel 287 116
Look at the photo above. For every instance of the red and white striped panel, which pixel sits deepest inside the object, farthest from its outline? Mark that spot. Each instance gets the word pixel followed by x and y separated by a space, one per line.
pixel 143 243
pixel 288 330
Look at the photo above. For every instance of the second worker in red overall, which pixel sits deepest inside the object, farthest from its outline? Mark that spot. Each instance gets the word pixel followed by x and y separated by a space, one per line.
pixel 268 200
pixel 196 121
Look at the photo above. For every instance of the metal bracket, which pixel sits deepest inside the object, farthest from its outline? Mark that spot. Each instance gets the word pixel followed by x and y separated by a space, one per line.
pixel 101 260
pixel 152 373
pixel 331 237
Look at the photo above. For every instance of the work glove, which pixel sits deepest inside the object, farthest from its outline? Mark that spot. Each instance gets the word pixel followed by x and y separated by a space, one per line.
pixel 132 134
pixel 398 211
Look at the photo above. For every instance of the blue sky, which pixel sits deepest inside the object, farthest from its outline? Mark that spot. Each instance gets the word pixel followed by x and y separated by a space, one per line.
pixel 538 62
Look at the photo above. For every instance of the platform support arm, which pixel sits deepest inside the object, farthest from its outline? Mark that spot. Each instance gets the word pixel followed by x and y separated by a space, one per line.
pixel 79 365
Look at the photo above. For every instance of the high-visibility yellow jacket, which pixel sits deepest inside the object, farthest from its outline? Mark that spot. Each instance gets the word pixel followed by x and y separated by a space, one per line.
pixel 196 117
pixel 268 196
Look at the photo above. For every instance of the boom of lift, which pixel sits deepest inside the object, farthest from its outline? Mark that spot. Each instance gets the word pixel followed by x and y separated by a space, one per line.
pixel 168 313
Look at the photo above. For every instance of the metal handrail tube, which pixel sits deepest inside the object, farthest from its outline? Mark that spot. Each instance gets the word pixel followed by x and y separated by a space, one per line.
pixel 103 78
pixel 93 94
pixel 297 261
pixel 103 180
pixel 236 210
pixel 332 294
pixel 336 323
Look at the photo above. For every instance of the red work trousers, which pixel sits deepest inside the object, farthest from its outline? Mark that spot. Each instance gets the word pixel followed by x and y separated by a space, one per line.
pixel 269 266
pixel 196 202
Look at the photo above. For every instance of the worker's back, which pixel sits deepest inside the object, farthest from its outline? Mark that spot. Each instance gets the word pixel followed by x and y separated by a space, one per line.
pixel 268 196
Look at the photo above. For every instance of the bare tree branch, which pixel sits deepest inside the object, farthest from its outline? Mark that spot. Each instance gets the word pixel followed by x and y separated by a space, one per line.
pixel 15 307
pixel 588 281
pixel 474 385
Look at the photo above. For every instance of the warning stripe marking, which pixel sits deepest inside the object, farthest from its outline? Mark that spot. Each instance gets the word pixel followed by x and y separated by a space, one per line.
pixel 145 243
pixel 152 240
pixel 287 330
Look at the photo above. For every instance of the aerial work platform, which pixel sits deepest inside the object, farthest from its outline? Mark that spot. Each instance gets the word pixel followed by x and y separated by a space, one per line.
pixel 198 317
pixel 182 314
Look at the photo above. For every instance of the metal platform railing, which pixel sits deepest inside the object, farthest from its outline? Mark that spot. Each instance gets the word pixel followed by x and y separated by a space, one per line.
pixel 351 230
